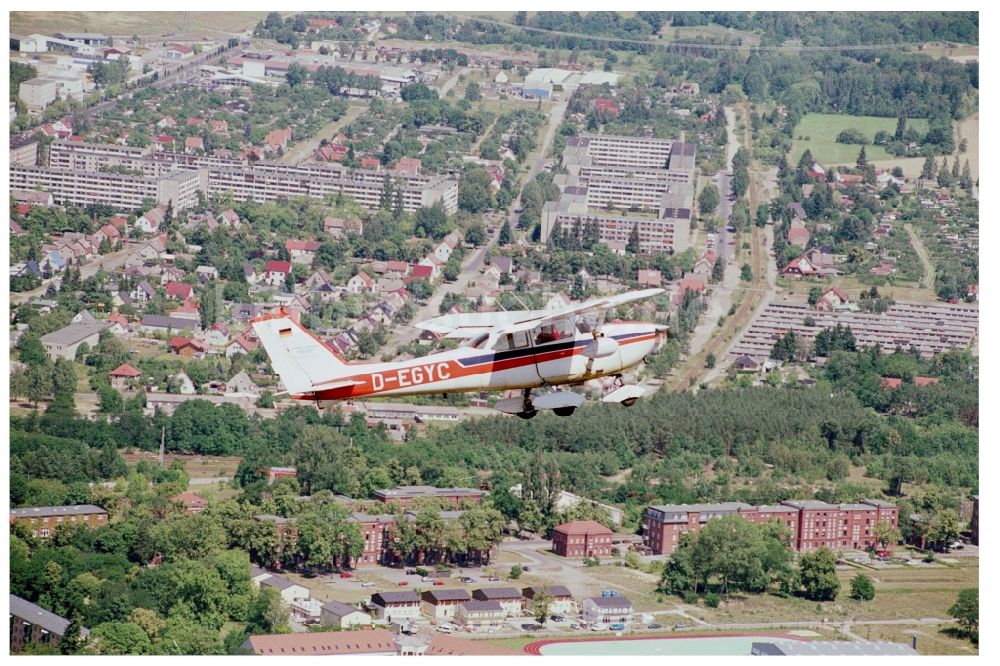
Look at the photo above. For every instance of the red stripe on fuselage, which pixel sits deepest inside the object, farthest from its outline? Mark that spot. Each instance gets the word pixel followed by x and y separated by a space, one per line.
pixel 455 369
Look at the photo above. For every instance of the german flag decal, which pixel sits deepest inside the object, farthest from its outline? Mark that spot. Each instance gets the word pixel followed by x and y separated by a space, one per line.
pixel 284 331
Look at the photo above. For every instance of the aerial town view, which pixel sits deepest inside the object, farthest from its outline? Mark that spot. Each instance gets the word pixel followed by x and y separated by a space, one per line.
pixel 559 333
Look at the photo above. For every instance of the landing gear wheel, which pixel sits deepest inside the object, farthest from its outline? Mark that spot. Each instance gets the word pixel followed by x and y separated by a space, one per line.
pixel 564 411
pixel 527 414
pixel 628 402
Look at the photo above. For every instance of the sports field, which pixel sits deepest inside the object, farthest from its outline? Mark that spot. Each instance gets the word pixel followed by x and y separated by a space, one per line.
pixel 822 130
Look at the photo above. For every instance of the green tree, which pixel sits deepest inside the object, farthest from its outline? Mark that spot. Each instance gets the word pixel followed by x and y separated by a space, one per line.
pixel 708 200
pixel 965 610
pixel 886 534
pixel 862 588
pixel 476 234
pixel 125 638
pixel 632 247
pixel 540 604
pixel 515 572
pixel 746 273
pixel 943 528
pixel 504 237
pixel 928 170
pixel 474 195
pixel 31 352
pixel 296 75
pixel 818 573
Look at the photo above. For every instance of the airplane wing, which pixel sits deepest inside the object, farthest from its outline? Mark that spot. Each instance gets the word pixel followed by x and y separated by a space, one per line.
pixel 600 303
pixel 470 324
pixel 465 325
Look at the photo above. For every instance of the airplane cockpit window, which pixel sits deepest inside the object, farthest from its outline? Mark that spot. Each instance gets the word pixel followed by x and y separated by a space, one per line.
pixel 512 341
pixel 553 332
pixel 586 323
pixel 479 341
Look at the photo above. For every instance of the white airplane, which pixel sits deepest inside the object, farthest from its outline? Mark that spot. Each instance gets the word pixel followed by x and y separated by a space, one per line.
pixel 503 350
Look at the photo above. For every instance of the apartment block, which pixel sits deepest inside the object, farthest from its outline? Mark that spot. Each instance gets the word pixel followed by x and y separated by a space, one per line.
pixel 37 93
pixel 124 192
pixel 621 151
pixel 24 150
pixel 261 181
pixel 811 524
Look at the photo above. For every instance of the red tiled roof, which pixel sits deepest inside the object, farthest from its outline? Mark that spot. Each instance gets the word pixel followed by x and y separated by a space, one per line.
pixel 324 642
pixel 583 527
pixel 125 370
pixel 891 382
pixel 276 266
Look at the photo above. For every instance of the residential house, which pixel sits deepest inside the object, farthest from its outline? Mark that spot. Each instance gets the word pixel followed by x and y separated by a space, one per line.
pixel 180 291
pixel 230 218
pixel 746 363
pixel 122 375
pixel 361 283
pixel 341 228
pixel 167 324
pixel 440 604
pixel 832 299
pixel 650 278
pixel 396 607
pixel 343 616
pixel 798 268
pixel 193 143
pixel 508 597
pixel 604 611
pixel 561 599
pixel 193 502
pixel 183 383
pixel 798 235
pixel 302 251
pixel 217 335
pixel 242 384
pixel 150 221
pixel 277 139
pixel 276 272
pixel 244 344
pixel 289 591
pixel 143 292
pixel 477 614
pixel 188 347
pixel 207 273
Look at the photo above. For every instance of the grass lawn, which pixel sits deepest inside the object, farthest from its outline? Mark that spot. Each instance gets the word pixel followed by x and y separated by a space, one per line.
pixel 822 130
pixel 901 593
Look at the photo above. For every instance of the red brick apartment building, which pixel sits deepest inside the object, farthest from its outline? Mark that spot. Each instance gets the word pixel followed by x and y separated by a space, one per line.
pixel 582 538
pixel 43 520
pixel 375 529
pixel 405 495
pixel 812 524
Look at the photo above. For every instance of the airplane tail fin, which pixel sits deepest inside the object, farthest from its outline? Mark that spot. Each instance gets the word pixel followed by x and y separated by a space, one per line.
pixel 301 360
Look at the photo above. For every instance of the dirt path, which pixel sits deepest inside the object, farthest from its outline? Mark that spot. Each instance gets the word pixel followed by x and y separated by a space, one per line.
pixel 300 152
pixel 927 281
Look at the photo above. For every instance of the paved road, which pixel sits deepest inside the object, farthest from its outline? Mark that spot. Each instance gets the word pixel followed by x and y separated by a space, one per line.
pixel 724 211
pixel 474 263
pixel 448 85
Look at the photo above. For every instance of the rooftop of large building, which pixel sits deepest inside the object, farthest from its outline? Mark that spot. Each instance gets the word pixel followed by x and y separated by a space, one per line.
pixel 45 511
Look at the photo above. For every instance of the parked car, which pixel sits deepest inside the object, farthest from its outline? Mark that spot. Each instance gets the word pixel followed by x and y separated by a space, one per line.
pixel 345 574
pixel 525 568
pixel 403 583
pixel 411 572
pixel 680 625
pixel 957 545
pixel 494 579
pixel 367 583
pixel 575 625
pixel 438 583
pixel 531 626
pixel 468 579
pixel 558 618
pixel 617 626
pixel 654 625
pixel 597 627
pixel 426 579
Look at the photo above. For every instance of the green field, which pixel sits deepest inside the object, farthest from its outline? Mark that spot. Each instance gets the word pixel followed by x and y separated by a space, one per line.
pixel 823 128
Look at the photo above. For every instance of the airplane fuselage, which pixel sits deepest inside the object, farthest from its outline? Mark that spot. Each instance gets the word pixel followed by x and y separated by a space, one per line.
pixel 522 364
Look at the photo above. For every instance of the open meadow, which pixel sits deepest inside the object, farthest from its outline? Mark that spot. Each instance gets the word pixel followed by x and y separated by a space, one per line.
pixel 129 23
pixel 818 132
